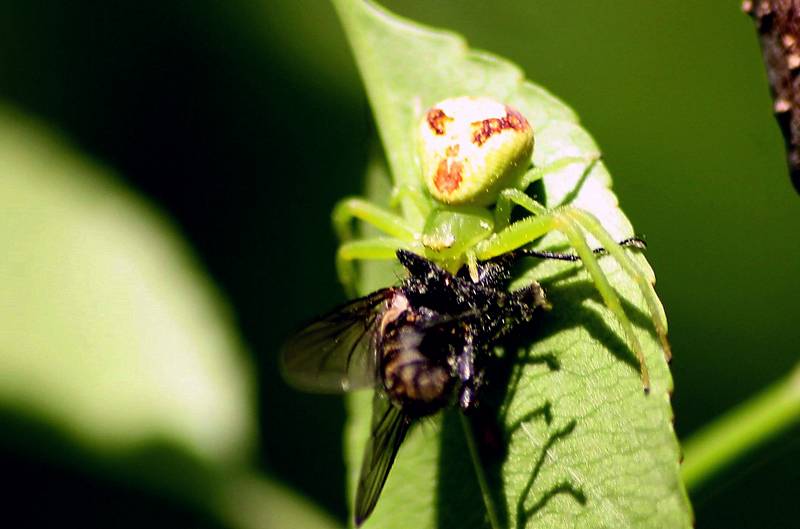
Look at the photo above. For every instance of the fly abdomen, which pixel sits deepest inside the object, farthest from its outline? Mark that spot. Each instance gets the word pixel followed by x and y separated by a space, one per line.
pixel 413 380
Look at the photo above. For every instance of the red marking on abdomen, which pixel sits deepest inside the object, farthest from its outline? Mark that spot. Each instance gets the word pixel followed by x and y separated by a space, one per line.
pixel 489 127
pixel 448 175
pixel 437 119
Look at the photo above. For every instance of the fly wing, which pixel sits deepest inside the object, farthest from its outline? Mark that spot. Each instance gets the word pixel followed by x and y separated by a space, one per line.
pixel 336 353
pixel 389 428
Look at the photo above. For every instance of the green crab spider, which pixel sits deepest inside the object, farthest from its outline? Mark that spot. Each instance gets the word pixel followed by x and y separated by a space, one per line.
pixel 476 152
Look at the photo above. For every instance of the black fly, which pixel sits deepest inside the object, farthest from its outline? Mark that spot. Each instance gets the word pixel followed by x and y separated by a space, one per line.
pixel 423 344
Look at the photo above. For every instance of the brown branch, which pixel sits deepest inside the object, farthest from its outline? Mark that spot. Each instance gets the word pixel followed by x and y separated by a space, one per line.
pixel 778 25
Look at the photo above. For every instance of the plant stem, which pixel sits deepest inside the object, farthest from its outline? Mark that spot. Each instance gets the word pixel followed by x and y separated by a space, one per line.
pixel 721 443
pixel 778 26
pixel 476 462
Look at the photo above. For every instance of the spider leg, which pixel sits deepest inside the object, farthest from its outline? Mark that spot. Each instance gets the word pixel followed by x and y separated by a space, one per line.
pixel 403 191
pixel 380 248
pixel 502 211
pixel 391 224
pixel 514 236
pixel 537 173
pixel 590 223
pixel 544 221
pixel 573 233
pixel 352 208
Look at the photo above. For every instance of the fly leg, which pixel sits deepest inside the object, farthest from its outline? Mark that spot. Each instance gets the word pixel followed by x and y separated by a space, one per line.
pixel 470 377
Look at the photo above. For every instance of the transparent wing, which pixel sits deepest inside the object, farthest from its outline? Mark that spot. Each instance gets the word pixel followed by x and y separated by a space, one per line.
pixel 389 428
pixel 335 353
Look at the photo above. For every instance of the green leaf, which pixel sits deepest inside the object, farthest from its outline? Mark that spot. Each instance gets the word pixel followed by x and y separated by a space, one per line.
pixel 110 334
pixel 117 355
pixel 585 447
pixel 257 502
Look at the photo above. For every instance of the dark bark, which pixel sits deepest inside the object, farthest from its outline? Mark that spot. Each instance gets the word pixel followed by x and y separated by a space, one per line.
pixel 778 26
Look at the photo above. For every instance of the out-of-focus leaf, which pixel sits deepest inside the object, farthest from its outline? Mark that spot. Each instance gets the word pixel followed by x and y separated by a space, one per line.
pixel 253 502
pixel 584 446
pixel 109 331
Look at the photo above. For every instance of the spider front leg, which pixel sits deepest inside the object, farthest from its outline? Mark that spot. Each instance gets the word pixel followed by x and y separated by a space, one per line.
pixel 401 235
pixel 562 220
pixel 353 208
pixel 377 249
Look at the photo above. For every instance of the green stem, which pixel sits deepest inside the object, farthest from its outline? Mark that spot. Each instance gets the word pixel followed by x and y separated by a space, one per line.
pixel 494 521
pixel 721 443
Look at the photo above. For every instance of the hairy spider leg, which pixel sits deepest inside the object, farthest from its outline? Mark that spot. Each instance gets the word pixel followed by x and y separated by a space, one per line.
pixel 544 221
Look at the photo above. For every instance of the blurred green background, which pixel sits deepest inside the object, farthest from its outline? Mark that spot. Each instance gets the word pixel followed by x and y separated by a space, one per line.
pixel 174 229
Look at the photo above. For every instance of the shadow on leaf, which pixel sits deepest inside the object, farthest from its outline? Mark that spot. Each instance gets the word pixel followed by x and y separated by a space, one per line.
pixel 523 514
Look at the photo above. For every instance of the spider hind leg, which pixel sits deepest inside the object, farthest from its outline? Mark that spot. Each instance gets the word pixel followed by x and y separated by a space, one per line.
pixel 572 223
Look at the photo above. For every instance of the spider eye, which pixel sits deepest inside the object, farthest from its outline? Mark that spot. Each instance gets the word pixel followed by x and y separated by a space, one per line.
pixel 471 148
